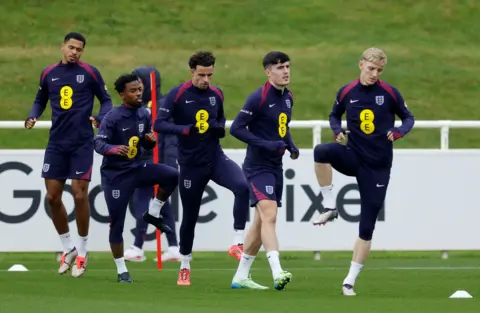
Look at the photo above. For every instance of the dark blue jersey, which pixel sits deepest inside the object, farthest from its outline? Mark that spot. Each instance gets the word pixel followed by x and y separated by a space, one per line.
pixel 262 123
pixel 185 107
pixel 370 114
pixel 123 126
pixel 71 89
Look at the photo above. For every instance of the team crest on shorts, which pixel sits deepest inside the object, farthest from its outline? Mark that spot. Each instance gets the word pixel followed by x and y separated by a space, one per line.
pixel 46 167
pixel 140 128
pixel 80 78
pixel 212 101
pixel 269 189
pixel 116 194
pixel 187 183
pixel 379 100
pixel 289 104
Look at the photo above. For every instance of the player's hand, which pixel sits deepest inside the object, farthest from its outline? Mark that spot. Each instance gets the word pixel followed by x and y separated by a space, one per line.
pixel 394 134
pixel 341 138
pixel 94 122
pixel 193 130
pixel 217 132
pixel 29 123
pixel 123 150
pixel 150 137
pixel 294 154
pixel 275 146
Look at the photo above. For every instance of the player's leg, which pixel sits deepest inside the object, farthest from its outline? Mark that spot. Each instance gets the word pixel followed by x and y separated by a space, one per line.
pixel 265 198
pixel 192 183
pixel 117 197
pixel 172 254
pixel 253 243
pixel 236 182
pixel 141 198
pixel 343 160
pixel 372 185
pixel 80 171
pixel 166 178
pixel 55 172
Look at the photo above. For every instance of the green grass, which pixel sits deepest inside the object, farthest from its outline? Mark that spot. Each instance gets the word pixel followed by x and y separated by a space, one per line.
pixel 413 282
pixel 433 48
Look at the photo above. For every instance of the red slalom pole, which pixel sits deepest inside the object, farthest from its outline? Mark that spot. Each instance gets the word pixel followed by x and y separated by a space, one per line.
pixel 153 89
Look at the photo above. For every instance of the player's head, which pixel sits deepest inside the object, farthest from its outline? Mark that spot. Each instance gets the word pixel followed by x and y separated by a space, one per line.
pixel 372 62
pixel 277 68
pixel 72 47
pixel 202 64
pixel 130 89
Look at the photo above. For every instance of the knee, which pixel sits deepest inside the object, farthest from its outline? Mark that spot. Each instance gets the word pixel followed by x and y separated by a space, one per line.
pixel 54 199
pixel 242 189
pixel 366 230
pixel 268 211
pixel 320 153
pixel 116 230
pixel 80 193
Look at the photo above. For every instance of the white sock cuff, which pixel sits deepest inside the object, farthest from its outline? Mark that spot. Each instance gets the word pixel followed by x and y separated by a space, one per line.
pixel 326 188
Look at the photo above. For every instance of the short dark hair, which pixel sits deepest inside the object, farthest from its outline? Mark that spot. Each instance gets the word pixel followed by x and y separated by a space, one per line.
pixel 202 58
pixel 275 57
pixel 76 36
pixel 123 80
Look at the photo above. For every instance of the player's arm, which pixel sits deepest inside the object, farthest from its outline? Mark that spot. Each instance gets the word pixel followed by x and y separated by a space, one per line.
pixel 164 122
pixel 402 111
pixel 335 117
pixel 100 91
pixel 294 152
pixel 149 140
pixel 246 115
pixel 218 127
pixel 39 104
pixel 102 141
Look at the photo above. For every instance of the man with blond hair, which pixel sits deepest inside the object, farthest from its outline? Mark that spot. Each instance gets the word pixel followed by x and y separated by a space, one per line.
pixel 370 106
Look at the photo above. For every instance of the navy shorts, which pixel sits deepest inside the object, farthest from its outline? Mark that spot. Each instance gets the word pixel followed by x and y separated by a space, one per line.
pixel 63 162
pixel 372 181
pixel 266 185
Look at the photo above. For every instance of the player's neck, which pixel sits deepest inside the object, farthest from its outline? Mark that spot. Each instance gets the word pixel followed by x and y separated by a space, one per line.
pixel 279 88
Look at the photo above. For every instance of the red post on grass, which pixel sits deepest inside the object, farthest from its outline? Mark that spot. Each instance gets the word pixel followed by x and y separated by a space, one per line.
pixel 153 89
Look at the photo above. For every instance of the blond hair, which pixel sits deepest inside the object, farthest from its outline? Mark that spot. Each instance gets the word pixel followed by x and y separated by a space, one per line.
pixel 374 55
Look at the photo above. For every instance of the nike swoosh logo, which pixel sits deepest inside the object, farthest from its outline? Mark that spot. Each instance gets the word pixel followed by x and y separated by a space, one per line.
pixel 124 129
pixel 54 79
pixel 186 101
pixel 353 101
pixel 78 173
pixel 271 105
pixel 380 185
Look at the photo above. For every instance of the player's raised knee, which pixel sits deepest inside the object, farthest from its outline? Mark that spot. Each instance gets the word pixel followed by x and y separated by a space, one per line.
pixel 321 153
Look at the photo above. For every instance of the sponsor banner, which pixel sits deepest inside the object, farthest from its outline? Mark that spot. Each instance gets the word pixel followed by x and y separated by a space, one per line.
pixel 431 204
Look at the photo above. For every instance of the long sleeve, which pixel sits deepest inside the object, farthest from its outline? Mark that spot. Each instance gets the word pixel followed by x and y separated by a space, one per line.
pixel 289 141
pixel 148 130
pixel 100 91
pixel 221 119
pixel 402 111
pixel 41 99
pixel 335 117
pixel 164 122
pixel 101 142
pixel 244 117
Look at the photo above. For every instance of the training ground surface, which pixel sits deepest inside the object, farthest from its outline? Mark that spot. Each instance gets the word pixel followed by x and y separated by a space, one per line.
pixel 433 49
pixel 413 282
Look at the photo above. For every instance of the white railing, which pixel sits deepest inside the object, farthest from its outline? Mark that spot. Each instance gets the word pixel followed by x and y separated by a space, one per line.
pixel 317 126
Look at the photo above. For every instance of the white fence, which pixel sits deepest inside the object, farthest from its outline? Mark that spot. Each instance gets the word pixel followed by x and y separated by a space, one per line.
pixel 317 126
